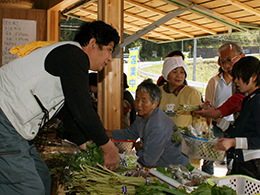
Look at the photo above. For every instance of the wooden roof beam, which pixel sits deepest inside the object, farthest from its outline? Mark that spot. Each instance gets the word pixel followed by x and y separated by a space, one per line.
pixel 152 32
pixel 213 16
pixel 147 37
pixel 143 19
pixel 154 25
pixel 243 6
pixel 176 18
pixel 129 24
pixel 132 25
pixel 62 5
pixel 163 26
pixel 88 11
pixel 78 6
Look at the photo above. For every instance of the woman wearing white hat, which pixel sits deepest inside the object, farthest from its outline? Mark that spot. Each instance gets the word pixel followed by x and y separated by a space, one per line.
pixel 175 92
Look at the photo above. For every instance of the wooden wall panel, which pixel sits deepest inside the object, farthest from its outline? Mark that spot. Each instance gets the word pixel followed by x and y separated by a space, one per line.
pixel 25 14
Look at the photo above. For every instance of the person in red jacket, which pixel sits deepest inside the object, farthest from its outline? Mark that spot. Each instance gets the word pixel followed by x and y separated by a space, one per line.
pixel 232 105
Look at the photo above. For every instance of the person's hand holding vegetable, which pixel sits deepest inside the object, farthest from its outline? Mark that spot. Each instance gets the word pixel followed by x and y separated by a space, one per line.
pixel 111 155
pixel 208 110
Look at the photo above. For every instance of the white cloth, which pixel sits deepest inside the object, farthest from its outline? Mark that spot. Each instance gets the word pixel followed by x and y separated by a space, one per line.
pixel 171 63
pixel 223 92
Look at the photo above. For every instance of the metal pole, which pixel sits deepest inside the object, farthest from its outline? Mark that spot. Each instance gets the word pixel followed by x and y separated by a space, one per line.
pixel 154 25
pixel 194 59
pixel 259 41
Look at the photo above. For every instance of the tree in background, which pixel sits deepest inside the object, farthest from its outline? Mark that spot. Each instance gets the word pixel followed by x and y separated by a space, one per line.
pixel 248 39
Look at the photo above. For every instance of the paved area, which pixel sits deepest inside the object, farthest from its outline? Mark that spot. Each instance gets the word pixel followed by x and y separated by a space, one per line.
pixel 220 170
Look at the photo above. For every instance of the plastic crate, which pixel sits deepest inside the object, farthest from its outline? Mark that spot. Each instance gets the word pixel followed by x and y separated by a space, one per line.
pixel 240 183
pixel 200 148
pixel 124 145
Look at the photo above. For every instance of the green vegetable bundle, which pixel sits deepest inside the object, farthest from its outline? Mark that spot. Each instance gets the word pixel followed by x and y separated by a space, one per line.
pixel 100 180
pixel 183 175
pixel 93 155
pixel 189 107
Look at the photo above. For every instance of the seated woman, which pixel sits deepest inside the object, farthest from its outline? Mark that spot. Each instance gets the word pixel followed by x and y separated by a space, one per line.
pixel 154 128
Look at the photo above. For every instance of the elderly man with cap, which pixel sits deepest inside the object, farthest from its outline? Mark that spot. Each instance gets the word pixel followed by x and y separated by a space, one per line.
pixel 175 92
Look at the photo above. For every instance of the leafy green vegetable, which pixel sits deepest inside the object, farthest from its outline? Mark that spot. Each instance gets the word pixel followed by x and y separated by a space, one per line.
pixel 189 107
pixel 159 189
pixel 176 137
pixel 190 167
pixel 161 170
pixel 206 189
pixel 222 190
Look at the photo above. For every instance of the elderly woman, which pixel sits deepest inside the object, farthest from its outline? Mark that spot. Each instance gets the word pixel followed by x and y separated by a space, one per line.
pixel 154 128
pixel 175 92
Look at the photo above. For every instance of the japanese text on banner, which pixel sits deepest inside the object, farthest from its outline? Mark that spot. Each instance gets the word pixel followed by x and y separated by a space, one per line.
pixel 132 69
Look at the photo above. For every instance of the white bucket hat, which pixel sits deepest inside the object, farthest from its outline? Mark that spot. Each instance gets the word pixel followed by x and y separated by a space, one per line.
pixel 171 63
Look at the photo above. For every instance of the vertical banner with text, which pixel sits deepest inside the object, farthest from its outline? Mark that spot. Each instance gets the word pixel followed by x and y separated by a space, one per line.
pixel 186 57
pixel 132 69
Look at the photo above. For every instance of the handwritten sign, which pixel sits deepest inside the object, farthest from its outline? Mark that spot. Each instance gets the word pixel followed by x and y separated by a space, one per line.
pixel 16 32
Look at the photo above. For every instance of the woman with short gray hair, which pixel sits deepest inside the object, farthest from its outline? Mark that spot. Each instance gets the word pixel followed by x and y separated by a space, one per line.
pixel 154 128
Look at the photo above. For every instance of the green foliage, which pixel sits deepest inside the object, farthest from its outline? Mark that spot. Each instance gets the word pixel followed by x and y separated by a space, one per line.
pixel 93 155
pixel 68 33
pixel 206 189
pixel 245 39
pixel 159 189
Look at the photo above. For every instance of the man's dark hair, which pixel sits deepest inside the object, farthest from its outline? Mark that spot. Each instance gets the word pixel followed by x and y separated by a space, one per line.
pixel 175 53
pixel 245 68
pixel 102 32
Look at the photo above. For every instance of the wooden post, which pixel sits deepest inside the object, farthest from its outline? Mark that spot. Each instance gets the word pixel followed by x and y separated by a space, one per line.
pixel 53 25
pixel 110 80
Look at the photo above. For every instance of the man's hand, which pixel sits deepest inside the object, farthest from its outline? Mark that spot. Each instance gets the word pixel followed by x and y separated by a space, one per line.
pixel 138 145
pixel 83 146
pixel 111 155
pixel 225 143
pixel 208 111
pixel 109 133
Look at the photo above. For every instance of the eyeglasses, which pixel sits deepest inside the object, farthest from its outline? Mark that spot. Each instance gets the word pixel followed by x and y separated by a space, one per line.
pixel 229 61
